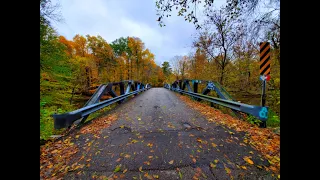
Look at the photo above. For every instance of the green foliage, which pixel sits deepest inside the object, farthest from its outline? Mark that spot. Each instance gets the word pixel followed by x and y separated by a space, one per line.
pixel 253 120
pixel 120 46
pixel 273 119
pixel 166 69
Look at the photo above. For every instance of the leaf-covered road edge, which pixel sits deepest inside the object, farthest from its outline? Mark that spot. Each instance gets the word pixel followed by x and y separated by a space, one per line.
pixel 263 140
pixel 56 156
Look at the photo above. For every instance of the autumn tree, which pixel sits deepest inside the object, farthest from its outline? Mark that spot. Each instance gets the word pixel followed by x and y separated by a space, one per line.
pixel 218 39
pixel 166 69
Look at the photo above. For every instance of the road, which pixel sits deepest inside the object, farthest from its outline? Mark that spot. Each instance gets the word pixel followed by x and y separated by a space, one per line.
pixel 157 136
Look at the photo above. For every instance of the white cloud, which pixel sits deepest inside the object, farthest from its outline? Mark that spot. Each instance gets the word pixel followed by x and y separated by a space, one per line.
pixel 113 19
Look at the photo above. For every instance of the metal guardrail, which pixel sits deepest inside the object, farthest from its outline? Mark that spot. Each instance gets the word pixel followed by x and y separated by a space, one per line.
pixel 260 112
pixel 93 104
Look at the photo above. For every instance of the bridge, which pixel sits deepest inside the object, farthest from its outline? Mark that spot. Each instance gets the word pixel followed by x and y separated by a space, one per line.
pixel 156 133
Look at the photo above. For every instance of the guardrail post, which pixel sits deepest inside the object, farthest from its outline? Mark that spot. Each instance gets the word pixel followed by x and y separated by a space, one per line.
pixel 263 124
pixel 121 88
pixel 110 90
pixel 195 86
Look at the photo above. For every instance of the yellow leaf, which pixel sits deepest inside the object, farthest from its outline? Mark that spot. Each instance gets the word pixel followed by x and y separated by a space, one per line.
pixel 171 162
pixel 150 157
pixel 194 160
pixel 77 136
pixel 243 167
pixel 134 141
pixel 251 152
pixel 88 160
pixel 214 145
pixel 140 168
pixel 156 176
pixel 248 160
pixel 216 161
pixel 227 170
pixel 122 126
pixel 148 176
pixel 124 171
pixel 54 151
pixel 212 165
pixel 139 119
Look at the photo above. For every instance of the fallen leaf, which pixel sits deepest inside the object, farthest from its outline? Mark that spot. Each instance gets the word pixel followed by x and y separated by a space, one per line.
pixel 204 175
pixel 243 167
pixel 150 157
pixel 127 156
pixel 195 177
pixel 251 152
pixel 248 160
pixel 214 145
pixel 124 171
pixel 171 162
pixel 227 170
pixel 140 169
pixel 212 165
pixel 122 176
pixel 139 119
pixel 117 169
pixel 147 162
pixel 216 161
pixel 118 160
pixel 134 141
pixel 180 174
pixel 194 160
pixel 156 176
pixel 147 176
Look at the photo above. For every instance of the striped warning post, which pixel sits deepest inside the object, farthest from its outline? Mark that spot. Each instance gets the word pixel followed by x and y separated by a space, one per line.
pixel 264 58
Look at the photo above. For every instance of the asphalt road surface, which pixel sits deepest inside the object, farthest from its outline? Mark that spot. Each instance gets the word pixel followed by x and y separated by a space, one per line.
pixel 156 136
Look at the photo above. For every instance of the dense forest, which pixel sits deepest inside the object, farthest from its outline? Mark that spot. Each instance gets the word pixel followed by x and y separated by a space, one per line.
pixel 71 69
pixel 226 49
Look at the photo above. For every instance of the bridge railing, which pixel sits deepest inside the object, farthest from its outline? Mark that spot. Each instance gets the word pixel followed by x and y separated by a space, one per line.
pixel 92 105
pixel 260 112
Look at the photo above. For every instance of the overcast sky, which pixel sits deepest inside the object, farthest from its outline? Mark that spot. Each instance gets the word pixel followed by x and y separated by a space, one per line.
pixel 113 19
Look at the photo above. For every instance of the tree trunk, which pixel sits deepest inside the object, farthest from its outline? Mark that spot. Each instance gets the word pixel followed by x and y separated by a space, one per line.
pixel 88 83
pixel 221 76
pixel 72 94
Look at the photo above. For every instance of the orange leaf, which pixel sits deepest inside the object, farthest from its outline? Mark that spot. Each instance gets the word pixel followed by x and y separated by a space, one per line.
pixel 248 160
